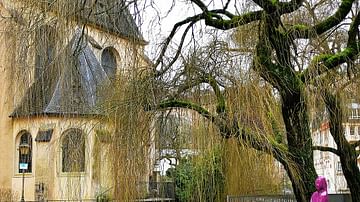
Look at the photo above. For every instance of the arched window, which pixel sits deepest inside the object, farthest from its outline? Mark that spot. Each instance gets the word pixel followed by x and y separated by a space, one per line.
pixel 25 138
pixel 73 151
pixel 108 61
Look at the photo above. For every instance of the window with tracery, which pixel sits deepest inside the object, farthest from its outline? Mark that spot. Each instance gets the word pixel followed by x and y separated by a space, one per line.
pixel 73 151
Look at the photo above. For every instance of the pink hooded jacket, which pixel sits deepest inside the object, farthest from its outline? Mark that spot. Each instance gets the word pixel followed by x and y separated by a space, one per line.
pixel 321 194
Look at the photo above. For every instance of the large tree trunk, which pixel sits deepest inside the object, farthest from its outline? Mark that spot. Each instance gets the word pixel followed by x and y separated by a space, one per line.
pixel 302 172
pixel 352 174
pixel 345 150
pixel 301 179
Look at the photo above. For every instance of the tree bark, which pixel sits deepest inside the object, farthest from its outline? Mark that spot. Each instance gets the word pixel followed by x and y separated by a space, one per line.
pixel 352 174
pixel 303 174
pixel 346 151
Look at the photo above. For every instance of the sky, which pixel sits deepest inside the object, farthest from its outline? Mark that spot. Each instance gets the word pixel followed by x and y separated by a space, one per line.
pixel 158 20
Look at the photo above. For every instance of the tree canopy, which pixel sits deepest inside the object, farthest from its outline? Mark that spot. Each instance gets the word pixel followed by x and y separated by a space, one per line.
pixel 284 61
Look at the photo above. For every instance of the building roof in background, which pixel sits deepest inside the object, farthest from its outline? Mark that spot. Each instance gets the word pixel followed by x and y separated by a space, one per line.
pixel 66 89
pixel 110 15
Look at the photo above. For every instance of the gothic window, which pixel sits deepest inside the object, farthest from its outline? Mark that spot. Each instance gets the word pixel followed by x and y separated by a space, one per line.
pixel 73 151
pixel 108 61
pixel 25 138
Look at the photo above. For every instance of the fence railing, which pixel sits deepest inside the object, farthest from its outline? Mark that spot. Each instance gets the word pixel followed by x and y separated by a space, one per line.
pixel 261 198
pixel 162 189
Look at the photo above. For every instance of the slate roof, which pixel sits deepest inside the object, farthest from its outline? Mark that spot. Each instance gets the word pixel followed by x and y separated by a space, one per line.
pixel 69 89
pixel 110 15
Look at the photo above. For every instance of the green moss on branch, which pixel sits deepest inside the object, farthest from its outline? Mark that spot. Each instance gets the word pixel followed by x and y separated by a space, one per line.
pixel 325 25
pixel 186 105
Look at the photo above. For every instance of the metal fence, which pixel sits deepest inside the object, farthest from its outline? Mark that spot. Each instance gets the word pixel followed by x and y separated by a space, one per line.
pixel 162 189
pixel 261 198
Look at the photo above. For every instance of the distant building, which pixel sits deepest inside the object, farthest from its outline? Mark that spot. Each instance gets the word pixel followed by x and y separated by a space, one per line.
pixel 327 163
pixel 173 138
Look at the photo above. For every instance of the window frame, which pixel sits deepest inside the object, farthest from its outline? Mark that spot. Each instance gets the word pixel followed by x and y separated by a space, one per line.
pixel 114 55
pixel 67 133
pixel 29 157
pixel 338 167
pixel 351 130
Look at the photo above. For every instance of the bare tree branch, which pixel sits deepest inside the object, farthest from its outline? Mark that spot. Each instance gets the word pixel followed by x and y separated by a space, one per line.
pixel 326 62
pixel 220 108
pixel 190 20
pixel 200 4
pixel 268 5
pixel 354 30
pixel 326 149
pixel 187 105
pixel 303 31
pixel 356 144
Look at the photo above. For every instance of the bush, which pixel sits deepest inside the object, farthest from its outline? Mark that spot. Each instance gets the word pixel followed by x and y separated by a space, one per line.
pixel 199 178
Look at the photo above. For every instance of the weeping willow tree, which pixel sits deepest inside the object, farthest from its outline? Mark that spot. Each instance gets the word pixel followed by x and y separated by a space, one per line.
pixel 271 116
pixel 205 166
pixel 288 63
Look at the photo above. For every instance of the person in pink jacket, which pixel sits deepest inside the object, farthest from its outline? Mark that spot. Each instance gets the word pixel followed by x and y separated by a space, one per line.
pixel 320 195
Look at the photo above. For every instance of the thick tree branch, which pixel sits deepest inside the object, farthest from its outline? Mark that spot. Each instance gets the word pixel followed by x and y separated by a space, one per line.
pixel 264 144
pixel 336 128
pixel 235 21
pixel 354 30
pixel 326 62
pixel 186 86
pixel 186 105
pixel 326 149
pixel 288 7
pixel 224 12
pixel 356 144
pixel 268 5
pixel 226 5
pixel 220 107
pixel 303 31
pixel 200 4
pixel 271 72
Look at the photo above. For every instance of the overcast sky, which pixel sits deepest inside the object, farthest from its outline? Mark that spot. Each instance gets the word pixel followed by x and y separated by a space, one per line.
pixel 158 20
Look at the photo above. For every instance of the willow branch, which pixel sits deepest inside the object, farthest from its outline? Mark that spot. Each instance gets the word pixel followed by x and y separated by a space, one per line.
pixel 264 144
pixel 187 105
pixel 186 86
pixel 200 4
pixel 326 62
pixel 333 106
pixel 326 149
pixel 268 5
pixel 288 7
pixel 354 30
pixel 303 31
pixel 234 21
pixel 220 108
pixel 356 144
pixel 227 4
pixel 190 20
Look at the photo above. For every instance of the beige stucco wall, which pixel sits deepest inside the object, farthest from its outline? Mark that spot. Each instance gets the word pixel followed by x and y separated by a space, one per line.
pixel 47 159
pixel 7 61
pixel 46 155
